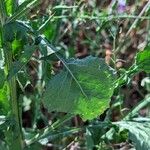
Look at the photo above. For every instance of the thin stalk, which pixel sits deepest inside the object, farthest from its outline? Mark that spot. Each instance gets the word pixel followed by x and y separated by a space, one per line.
pixel 114 48
pixel 137 19
pixel 46 131
pixel 144 10
pixel 22 11
pixel 148 32
pixel 39 86
pixel 109 18
pixel 137 108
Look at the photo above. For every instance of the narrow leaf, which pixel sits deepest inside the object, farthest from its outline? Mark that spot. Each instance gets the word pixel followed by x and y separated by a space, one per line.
pixel 23 9
pixel 18 31
pixel 64 7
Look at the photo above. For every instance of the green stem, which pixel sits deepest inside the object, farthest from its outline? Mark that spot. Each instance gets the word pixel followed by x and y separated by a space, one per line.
pixel 46 131
pixel 137 108
pixel 17 143
pixel 15 140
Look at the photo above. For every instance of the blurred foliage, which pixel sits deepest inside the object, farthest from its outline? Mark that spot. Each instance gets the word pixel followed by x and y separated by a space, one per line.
pixel 40 37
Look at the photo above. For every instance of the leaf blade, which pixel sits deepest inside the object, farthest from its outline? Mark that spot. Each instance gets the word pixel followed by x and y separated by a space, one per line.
pixel 67 96
pixel 23 9
pixel 24 59
pixel 138 133
pixel 143 60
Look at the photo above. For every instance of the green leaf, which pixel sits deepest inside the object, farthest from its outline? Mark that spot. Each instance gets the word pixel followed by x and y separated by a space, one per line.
pixel 84 88
pixel 10 6
pixel 89 140
pixel 35 146
pixel 17 46
pixel 4 102
pixel 24 59
pixel 23 9
pixel 3 145
pixel 94 134
pixel 2 78
pixel 48 51
pixel 18 32
pixel 143 60
pixel 138 133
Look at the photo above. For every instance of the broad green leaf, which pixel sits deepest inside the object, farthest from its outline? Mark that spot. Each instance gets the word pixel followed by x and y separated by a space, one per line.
pixel 143 60
pixel 138 133
pixel 84 88
pixel 2 78
pixel 18 32
pixel 24 59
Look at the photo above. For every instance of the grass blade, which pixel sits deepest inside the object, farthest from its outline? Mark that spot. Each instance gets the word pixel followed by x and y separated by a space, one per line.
pixel 23 9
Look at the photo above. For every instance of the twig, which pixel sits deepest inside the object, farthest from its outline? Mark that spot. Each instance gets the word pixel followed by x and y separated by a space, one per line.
pixel 137 19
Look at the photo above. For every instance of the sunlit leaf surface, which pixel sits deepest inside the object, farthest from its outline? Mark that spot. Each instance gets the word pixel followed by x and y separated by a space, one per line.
pixel 85 89
pixel 143 60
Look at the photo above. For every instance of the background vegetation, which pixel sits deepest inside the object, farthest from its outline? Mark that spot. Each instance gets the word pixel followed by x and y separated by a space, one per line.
pixel 74 74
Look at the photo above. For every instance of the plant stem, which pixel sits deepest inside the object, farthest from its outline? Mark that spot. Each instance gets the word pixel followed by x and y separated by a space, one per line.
pixel 15 140
pixel 137 108
pixel 46 131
